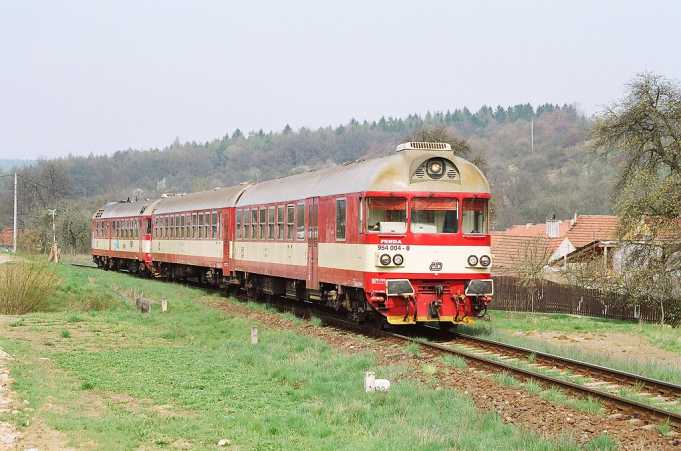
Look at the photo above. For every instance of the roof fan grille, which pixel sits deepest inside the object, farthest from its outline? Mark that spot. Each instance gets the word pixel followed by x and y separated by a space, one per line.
pixel 417 145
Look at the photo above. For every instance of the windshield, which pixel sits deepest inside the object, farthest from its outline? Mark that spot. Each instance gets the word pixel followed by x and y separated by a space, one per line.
pixel 387 214
pixel 475 216
pixel 434 215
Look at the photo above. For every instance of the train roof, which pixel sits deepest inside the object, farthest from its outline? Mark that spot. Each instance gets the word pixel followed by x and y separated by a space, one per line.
pixel 204 200
pixel 396 172
pixel 124 209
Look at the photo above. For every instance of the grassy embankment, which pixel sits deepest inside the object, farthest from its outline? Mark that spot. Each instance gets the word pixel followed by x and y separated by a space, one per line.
pixel 107 376
pixel 518 327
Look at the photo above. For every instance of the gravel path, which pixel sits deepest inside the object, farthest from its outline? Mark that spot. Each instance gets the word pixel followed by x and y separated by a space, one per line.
pixel 8 433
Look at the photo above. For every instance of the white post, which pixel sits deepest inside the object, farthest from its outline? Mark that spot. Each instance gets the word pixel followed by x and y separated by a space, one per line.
pixel 54 233
pixel 254 335
pixel 164 305
pixel 532 135
pixel 14 235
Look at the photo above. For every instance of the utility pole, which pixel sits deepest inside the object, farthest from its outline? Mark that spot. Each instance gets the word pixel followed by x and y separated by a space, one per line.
pixel 54 252
pixel 14 234
pixel 53 212
pixel 532 135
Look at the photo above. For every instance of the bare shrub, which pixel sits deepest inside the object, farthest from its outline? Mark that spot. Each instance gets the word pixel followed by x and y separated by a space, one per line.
pixel 25 287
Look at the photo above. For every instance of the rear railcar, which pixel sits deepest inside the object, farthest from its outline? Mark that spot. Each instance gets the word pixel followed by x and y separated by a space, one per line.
pixel 120 234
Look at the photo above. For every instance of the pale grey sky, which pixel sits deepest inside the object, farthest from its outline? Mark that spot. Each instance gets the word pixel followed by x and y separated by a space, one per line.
pixel 98 76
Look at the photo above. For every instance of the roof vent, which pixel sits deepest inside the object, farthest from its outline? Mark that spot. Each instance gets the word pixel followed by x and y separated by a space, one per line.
pixel 415 145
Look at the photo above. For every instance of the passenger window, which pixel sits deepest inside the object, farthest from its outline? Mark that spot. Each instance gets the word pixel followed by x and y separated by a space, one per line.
pixel 270 223
pixel 214 225
pixel 340 219
pixel 290 225
pixel 263 220
pixel 238 224
pixel 300 221
pixel 247 224
pixel 280 222
pixel 254 224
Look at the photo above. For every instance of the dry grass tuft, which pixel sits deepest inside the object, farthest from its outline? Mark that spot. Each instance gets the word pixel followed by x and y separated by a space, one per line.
pixel 25 287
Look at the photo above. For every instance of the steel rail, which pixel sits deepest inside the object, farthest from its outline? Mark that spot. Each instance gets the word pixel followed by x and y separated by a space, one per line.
pixel 589 391
pixel 660 386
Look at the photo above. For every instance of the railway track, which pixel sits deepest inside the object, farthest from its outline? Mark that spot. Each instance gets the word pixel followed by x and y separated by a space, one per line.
pixel 581 378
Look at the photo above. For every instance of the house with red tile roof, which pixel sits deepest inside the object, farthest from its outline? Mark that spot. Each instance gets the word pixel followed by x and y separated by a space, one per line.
pixel 555 238
pixel 6 237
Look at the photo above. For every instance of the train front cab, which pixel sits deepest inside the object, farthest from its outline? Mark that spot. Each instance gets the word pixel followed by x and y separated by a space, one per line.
pixel 432 257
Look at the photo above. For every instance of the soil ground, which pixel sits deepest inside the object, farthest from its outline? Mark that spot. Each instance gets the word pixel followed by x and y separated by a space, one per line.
pixel 611 344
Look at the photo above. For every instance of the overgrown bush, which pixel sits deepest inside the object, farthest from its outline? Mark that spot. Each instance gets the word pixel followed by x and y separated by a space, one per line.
pixel 25 287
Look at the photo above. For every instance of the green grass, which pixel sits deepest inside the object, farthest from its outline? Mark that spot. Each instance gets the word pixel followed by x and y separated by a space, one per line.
pixel 664 337
pixel 506 325
pixel 454 361
pixel 602 442
pixel 664 428
pixel 190 377
pixel 414 349
pixel 65 334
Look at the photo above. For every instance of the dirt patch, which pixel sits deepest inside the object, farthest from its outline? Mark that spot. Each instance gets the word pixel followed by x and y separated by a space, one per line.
pixel 36 434
pixel 513 405
pixel 615 345
pixel 134 405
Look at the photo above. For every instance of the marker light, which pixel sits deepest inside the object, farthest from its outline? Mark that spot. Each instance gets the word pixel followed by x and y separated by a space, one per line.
pixel 485 260
pixel 398 259
pixel 472 260
pixel 385 259
pixel 435 168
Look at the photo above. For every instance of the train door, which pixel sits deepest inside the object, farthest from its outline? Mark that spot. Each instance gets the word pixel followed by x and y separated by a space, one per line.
pixel 312 243
pixel 145 239
pixel 227 237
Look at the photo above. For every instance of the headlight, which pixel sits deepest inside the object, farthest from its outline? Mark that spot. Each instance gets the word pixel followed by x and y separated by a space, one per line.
pixel 485 260
pixel 398 259
pixel 472 260
pixel 385 259
pixel 435 168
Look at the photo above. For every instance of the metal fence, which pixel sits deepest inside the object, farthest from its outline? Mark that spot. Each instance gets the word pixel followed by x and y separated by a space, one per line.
pixel 549 297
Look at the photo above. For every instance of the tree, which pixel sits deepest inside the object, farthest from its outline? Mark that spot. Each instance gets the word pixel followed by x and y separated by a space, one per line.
pixel 644 130
pixel 440 134
pixel 532 260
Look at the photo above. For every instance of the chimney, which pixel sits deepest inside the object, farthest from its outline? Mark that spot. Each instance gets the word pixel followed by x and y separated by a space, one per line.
pixel 553 227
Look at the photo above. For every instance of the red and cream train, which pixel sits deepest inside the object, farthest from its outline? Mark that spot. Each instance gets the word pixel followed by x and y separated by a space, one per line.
pixel 405 236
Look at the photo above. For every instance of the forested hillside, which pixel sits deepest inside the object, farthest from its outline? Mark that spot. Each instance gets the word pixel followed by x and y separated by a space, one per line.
pixel 560 177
